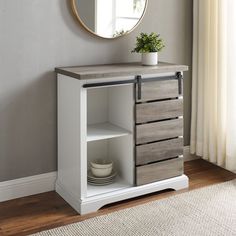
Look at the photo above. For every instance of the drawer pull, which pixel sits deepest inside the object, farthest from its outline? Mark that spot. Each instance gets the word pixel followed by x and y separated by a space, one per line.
pixel 139 81
pixel 179 77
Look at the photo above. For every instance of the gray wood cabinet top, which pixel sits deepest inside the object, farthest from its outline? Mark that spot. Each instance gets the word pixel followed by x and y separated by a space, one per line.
pixel 117 70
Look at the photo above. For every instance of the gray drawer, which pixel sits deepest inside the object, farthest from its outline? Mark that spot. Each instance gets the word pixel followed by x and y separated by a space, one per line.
pixel 156 90
pixel 159 171
pixel 152 132
pixel 161 110
pixel 159 151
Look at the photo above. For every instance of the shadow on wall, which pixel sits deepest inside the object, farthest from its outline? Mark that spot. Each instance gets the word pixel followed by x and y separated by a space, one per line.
pixel 28 128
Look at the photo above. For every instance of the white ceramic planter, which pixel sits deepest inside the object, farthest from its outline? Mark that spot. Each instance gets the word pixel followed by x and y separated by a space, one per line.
pixel 150 58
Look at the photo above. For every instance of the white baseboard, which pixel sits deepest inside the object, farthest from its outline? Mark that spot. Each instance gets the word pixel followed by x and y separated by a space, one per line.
pixel 44 183
pixel 188 156
pixel 27 186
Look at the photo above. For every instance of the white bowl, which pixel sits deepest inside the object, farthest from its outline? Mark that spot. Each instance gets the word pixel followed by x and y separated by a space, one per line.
pixel 101 172
pixel 101 164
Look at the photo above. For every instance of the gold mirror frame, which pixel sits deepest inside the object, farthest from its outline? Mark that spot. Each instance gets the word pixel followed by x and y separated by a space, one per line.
pixel 76 14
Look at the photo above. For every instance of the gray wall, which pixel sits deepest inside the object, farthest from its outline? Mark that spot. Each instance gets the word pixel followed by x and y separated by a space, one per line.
pixel 36 36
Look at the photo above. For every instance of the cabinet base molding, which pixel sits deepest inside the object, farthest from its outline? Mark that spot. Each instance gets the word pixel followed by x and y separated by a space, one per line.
pixel 92 204
pixel 74 201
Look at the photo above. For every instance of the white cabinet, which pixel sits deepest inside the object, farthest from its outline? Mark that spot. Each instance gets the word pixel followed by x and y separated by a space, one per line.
pixel 99 122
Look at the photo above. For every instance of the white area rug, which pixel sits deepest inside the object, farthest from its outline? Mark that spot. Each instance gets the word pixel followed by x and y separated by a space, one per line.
pixel 206 211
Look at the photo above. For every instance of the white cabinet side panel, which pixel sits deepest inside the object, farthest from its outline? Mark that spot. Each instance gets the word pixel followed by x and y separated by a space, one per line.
pixel 72 136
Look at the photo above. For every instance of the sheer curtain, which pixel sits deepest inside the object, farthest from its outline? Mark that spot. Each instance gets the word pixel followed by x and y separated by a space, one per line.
pixel 213 125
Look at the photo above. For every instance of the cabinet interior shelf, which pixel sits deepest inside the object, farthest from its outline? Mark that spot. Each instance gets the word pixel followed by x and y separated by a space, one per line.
pixel 105 131
pixel 119 184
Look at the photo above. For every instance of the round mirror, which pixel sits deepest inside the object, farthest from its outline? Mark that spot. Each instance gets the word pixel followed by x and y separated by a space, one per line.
pixel 109 18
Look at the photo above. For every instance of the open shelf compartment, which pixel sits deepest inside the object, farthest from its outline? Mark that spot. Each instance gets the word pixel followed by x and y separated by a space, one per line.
pixel 110 125
pixel 120 152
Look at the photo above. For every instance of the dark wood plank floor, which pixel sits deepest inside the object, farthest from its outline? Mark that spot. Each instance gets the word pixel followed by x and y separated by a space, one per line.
pixel 48 210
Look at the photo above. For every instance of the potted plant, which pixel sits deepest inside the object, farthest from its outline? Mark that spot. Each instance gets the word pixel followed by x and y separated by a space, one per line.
pixel 149 46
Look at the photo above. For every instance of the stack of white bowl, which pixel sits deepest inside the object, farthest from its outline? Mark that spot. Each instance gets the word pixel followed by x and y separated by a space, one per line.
pixel 101 172
pixel 101 167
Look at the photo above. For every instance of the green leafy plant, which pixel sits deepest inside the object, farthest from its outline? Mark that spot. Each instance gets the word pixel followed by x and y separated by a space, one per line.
pixel 148 43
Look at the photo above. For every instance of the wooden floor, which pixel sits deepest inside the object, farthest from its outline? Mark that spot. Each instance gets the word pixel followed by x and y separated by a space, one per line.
pixel 48 210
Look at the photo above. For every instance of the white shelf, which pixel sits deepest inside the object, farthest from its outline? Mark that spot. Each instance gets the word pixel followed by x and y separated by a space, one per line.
pixel 98 190
pixel 104 131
